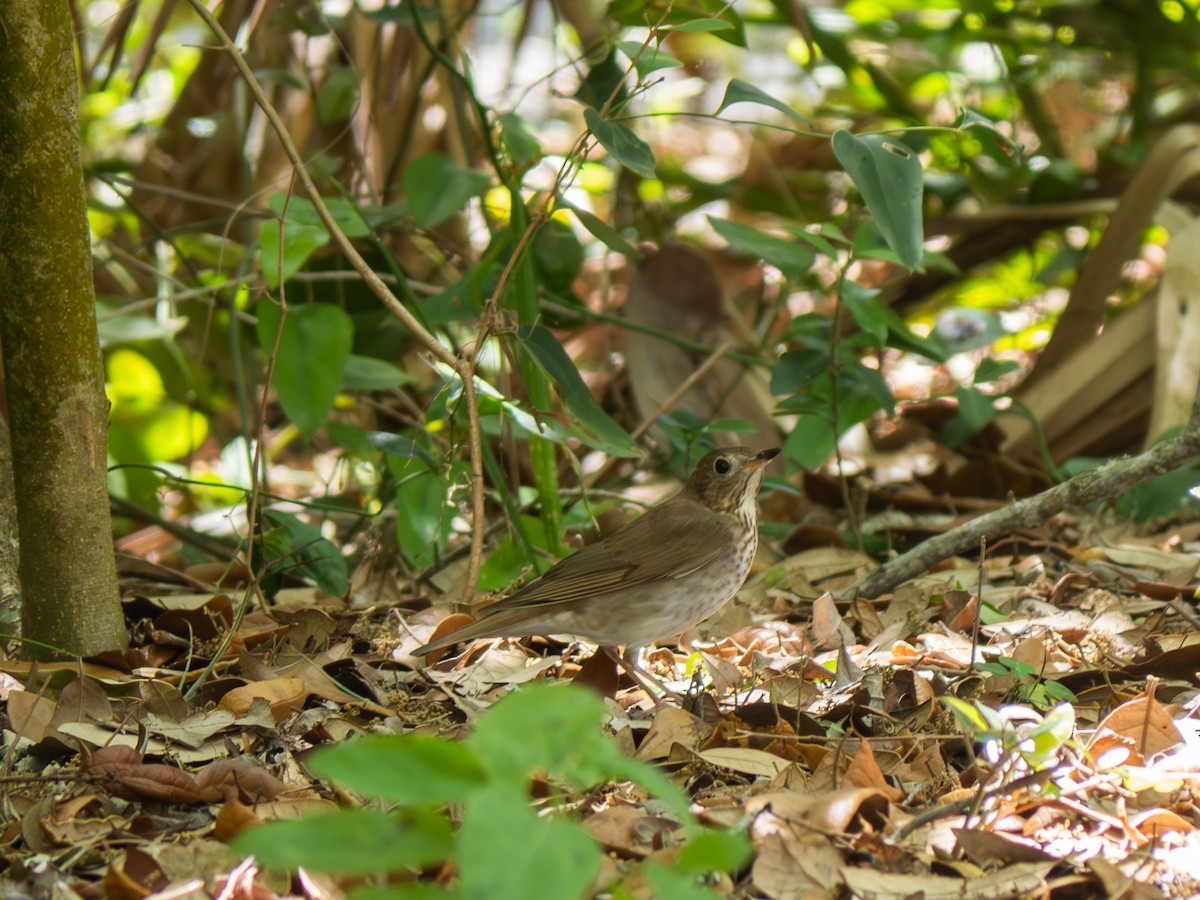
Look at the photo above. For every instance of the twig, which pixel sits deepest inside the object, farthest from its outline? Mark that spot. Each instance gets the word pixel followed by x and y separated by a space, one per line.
pixel 665 407
pixel 391 302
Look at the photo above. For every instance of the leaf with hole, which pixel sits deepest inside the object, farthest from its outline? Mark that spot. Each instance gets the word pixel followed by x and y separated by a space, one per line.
pixel 888 175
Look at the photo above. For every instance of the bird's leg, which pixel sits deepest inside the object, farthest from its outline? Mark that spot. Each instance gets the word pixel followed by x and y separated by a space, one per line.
pixel 651 685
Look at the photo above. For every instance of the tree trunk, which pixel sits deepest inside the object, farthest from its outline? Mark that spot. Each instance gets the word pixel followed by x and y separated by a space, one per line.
pixel 58 413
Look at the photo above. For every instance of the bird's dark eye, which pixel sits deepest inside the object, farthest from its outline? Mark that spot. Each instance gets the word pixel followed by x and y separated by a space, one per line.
pixel 723 466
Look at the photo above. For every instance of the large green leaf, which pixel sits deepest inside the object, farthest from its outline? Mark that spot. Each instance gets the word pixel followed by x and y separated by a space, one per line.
pixel 417 770
pixel 299 242
pixel 303 233
pixel 508 852
pixel 311 554
pixel 313 348
pixel 351 841
pixel 622 144
pixel 889 176
pixel 607 435
pixel 438 187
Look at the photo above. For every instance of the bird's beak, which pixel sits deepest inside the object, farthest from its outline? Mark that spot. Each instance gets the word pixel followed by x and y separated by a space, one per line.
pixel 760 459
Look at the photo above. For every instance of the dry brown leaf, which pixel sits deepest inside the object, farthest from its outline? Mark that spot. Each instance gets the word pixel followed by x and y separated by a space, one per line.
pixel 796 865
pixel 745 760
pixel 239 779
pixel 284 695
pixel 670 727
pixel 1142 725
pixel 864 772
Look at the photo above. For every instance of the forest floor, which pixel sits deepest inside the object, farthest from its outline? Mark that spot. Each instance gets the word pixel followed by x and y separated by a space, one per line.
pixel 1043 743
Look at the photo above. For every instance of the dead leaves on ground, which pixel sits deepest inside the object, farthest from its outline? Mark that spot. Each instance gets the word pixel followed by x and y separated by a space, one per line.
pixel 826 733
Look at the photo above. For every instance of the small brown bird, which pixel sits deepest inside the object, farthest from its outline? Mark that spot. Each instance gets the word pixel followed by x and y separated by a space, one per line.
pixel 659 575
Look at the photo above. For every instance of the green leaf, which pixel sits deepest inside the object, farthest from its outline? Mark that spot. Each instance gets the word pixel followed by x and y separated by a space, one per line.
pixel 558 255
pixel 511 557
pixel 417 770
pixel 508 852
pixel 975 410
pixel 810 442
pixel 991 369
pixel 351 841
pixel 545 349
pixel 299 243
pixel 797 369
pixel 714 850
pixel 400 446
pixel 864 392
pixel 313 556
pixel 647 59
pixel 698 26
pixel 968 715
pixel 603 83
pixel 437 188
pixel 788 256
pixel 313 349
pixel 303 233
pixel 738 91
pixel 672 883
pixel 422 494
pixel 889 176
pixel 543 727
pixel 300 210
pixel 872 316
pixel 518 140
pixel 601 230
pixel 337 95
pixel 366 373
pixel 622 144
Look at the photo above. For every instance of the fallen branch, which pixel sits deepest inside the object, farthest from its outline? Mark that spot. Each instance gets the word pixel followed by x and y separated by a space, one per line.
pixel 1109 480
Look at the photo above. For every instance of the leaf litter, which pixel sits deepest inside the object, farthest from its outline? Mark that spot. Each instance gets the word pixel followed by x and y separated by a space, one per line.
pixel 1038 740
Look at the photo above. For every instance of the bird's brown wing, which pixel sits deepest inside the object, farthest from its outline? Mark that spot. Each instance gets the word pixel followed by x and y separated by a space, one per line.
pixel 636 554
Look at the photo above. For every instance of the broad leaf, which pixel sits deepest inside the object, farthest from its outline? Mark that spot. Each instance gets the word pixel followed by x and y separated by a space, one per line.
pixel 438 187
pixel 789 257
pixel 417 770
pixel 366 373
pixel 601 230
pixel 554 361
pixel 313 555
pixel 508 852
pixel 622 144
pixel 313 348
pixel 889 176
pixel 351 841
pixel 738 91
